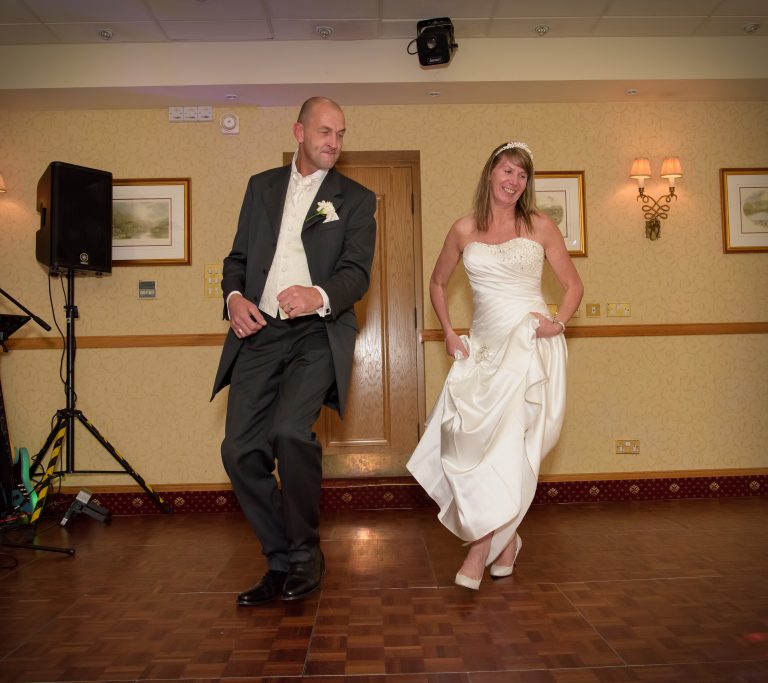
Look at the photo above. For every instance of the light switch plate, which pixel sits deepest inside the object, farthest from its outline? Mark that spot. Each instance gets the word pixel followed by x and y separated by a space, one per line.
pixel 147 289
pixel 212 280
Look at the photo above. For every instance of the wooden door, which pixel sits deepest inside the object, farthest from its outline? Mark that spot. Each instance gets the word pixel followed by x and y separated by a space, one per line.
pixel 385 405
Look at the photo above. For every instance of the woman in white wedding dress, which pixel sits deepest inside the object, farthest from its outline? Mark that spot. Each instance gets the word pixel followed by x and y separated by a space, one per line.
pixel 502 405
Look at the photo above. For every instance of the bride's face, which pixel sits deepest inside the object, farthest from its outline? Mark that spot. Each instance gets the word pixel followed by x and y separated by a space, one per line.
pixel 508 182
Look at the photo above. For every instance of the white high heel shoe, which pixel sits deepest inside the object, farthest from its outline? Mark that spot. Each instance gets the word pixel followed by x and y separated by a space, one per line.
pixel 499 571
pixel 466 582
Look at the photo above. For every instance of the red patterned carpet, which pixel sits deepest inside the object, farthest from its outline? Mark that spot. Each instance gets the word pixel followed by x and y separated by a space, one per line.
pixel 403 492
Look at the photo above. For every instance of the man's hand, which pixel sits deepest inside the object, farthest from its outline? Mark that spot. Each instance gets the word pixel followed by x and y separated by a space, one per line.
pixel 297 300
pixel 244 316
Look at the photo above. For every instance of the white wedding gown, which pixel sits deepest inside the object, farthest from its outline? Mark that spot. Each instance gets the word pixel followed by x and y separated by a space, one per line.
pixel 501 409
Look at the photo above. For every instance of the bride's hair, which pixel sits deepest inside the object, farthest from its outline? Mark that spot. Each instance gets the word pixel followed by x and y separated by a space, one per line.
pixel 525 208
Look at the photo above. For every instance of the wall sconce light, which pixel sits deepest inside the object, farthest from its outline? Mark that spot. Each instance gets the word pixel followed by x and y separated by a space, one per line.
pixel 2 183
pixel 655 210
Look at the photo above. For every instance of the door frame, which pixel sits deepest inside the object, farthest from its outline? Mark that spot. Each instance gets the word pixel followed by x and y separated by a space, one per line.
pixel 401 159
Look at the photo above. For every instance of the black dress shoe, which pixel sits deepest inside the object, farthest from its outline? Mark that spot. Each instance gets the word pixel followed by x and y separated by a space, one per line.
pixel 304 577
pixel 268 589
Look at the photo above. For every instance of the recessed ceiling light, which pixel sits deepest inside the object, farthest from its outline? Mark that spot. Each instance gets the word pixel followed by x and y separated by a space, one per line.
pixel 751 28
pixel 433 93
pixel 231 96
pixel 106 34
pixel 542 29
pixel 324 31
pixel 631 92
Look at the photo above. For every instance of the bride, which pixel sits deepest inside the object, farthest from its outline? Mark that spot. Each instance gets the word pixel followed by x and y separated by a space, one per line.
pixel 502 406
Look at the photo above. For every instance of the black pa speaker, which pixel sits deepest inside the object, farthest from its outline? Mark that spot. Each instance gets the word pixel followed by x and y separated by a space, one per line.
pixel 435 41
pixel 75 205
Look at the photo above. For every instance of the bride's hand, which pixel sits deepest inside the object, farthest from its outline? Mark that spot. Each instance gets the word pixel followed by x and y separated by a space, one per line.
pixel 455 347
pixel 547 327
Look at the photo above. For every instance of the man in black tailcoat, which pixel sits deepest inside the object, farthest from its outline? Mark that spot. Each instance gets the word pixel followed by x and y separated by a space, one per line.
pixel 300 260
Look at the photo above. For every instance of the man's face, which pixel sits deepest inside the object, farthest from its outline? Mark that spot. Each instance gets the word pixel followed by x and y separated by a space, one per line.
pixel 320 138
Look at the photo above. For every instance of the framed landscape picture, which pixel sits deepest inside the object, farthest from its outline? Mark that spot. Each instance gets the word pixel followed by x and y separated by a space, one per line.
pixel 560 195
pixel 744 201
pixel 150 222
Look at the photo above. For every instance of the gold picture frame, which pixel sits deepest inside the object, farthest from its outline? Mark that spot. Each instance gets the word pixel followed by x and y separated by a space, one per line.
pixel 560 195
pixel 150 222
pixel 744 203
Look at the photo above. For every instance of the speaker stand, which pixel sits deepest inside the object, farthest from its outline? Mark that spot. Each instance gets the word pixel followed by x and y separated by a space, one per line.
pixel 64 427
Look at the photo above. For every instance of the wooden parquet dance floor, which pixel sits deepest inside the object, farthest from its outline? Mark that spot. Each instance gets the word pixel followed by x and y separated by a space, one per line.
pixel 662 591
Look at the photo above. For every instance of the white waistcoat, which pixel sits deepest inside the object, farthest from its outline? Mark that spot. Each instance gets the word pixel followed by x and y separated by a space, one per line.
pixel 289 266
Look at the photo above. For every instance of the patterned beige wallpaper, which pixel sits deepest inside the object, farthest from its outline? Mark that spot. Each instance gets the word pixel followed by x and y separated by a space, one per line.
pixel 694 402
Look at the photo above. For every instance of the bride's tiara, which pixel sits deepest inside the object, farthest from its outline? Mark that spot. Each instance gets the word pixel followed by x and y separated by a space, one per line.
pixel 514 145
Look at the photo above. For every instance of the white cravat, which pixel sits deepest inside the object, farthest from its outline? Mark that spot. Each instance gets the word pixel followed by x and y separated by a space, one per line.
pixel 289 265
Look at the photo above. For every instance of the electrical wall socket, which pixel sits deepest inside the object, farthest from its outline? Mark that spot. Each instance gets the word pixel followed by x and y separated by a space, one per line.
pixel 617 310
pixel 552 309
pixel 593 310
pixel 212 280
pixel 631 446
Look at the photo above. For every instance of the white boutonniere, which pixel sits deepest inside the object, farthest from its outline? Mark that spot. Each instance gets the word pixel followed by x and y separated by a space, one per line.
pixel 325 209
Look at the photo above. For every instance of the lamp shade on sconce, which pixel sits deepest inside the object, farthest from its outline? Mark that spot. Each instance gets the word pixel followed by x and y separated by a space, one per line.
pixel 2 183
pixel 655 210
pixel 671 169
pixel 641 170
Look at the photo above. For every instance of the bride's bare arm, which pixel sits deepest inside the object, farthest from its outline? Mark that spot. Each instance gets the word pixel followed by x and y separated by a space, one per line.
pixel 446 263
pixel 565 271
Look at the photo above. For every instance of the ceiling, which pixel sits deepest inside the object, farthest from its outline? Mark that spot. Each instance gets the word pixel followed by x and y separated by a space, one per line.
pixel 81 54
pixel 30 22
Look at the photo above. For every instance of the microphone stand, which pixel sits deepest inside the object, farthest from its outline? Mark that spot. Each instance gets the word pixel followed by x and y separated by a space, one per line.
pixel 39 321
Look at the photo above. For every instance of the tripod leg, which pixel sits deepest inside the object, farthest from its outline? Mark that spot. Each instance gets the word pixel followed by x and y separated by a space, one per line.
pixel 48 441
pixel 33 546
pixel 45 482
pixel 124 463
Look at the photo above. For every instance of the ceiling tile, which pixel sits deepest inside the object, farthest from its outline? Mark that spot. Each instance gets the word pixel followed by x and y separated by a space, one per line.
pixel 660 8
pixel 468 28
pixel 397 29
pixel 221 10
pixel 741 8
pixel 123 32
pixel 15 12
pixel 287 29
pixel 73 11
pixel 647 26
pixel 328 9
pixel 26 34
pixel 559 27
pixel 217 31
pixel 549 8
pixel 732 26
pixel 432 9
